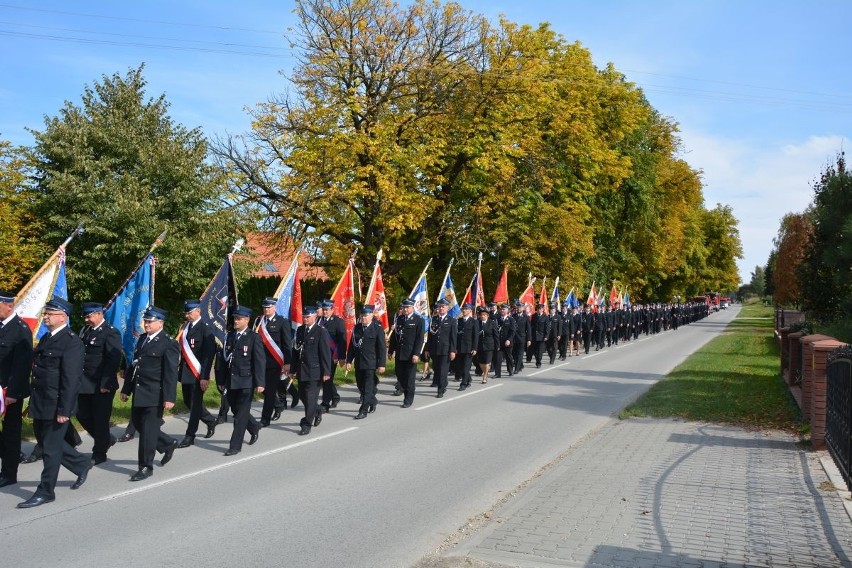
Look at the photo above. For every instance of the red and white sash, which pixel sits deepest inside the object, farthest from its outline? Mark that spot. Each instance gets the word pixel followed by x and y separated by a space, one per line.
pixel 192 362
pixel 270 344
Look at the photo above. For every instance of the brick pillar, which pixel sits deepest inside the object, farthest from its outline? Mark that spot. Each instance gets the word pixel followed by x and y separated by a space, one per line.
pixel 792 356
pixel 808 371
pixel 821 349
pixel 783 334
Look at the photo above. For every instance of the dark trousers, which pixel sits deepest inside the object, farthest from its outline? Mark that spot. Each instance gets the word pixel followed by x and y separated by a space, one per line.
pixel 366 381
pixel 587 340
pixel 94 412
pixel 441 368
pixel 406 375
pixel 329 389
pixel 193 397
pixel 308 393
pixel 240 401
pixel 51 435
pixel 270 393
pixel 285 387
pixel 10 441
pixel 501 354
pixel 539 347
pixel 551 349
pixel 563 346
pixel 463 368
pixel 147 421
pixel 518 349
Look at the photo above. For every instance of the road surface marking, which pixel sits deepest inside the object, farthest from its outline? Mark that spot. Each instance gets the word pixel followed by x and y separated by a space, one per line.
pixel 477 391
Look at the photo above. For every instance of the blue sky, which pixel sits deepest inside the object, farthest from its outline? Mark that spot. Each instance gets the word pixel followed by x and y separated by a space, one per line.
pixel 761 90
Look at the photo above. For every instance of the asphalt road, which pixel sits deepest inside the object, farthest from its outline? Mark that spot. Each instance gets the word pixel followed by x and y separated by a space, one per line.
pixel 384 491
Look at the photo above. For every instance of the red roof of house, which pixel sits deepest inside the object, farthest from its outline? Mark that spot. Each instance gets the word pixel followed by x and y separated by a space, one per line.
pixel 275 258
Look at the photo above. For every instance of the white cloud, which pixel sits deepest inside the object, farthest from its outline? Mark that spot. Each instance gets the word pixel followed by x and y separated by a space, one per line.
pixel 760 183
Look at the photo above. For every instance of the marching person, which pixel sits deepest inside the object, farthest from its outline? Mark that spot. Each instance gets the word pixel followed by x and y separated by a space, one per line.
pixel 56 376
pixel 487 341
pixel 242 370
pixel 103 354
pixel 406 343
pixel 523 335
pixel 466 338
pixel 16 363
pixel 311 366
pixel 276 333
pixel 197 351
pixel 506 331
pixel 441 344
pixel 152 381
pixel 336 329
pixel 369 353
pixel 540 324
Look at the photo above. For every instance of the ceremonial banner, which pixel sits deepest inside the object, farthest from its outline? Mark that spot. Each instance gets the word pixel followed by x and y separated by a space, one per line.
pixel 448 293
pixel 592 300
pixel 219 300
pixel 126 308
pixel 501 295
pixel 554 297
pixel 344 301
pixel 60 290
pixel 420 295
pixel 30 301
pixel 289 294
pixel 475 294
pixel 613 296
pixel 542 299
pixel 528 295
pixel 376 295
pixel 572 300
pixel 627 299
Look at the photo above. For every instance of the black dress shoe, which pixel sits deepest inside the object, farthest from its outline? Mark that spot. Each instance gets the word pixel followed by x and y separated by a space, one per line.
pixel 440 395
pixel 6 482
pixel 211 429
pixel 170 451
pixel 221 419
pixel 276 415
pixel 33 457
pixel 186 442
pixel 98 459
pixel 264 422
pixel 81 479
pixel 406 404
pixel 334 403
pixel 34 501
pixel 361 415
pixel 232 452
pixel 397 392
pixel 143 473
pixel 317 419
pixel 305 430
pixel 371 408
pixel 125 437
pixel 294 403
pixel 253 438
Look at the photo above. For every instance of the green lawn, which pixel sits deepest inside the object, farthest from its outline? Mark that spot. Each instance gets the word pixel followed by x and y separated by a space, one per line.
pixel 733 379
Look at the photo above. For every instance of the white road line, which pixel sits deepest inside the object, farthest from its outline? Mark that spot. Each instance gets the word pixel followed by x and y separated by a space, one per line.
pixel 477 391
pixel 227 464
pixel 547 369
pixel 593 355
pixel 623 345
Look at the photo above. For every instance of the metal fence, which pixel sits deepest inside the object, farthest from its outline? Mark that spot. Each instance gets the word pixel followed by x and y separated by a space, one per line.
pixel 838 420
pixel 799 371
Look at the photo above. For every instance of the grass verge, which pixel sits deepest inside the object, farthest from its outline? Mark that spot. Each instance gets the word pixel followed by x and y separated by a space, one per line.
pixel 733 379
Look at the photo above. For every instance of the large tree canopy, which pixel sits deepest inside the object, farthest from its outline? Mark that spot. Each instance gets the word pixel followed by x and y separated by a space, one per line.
pixel 424 130
pixel 120 165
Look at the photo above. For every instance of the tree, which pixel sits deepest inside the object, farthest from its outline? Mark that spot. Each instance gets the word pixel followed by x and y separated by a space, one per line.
pixel 758 281
pixel 723 245
pixel 827 264
pixel 793 236
pixel 769 274
pixel 119 164
pixel 20 248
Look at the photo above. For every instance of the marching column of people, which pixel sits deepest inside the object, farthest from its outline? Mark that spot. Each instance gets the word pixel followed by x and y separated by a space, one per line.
pixel 68 374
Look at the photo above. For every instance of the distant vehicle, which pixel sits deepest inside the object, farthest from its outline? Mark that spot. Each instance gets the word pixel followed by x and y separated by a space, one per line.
pixel 723 304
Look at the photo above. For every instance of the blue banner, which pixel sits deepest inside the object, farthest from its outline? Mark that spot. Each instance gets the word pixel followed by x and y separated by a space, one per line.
pixel 129 305
pixel 448 293
pixel 219 300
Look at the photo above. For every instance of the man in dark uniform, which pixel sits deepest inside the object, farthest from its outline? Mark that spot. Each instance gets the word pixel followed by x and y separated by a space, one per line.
pixel 540 324
pixel 276 334
pixel 599 330
pixel 466 343
pixel 337 333
pixel 16 363
pixel 369 353
pixel 566 336
pixel 577 329
pixel 406 344
pixel 242 369
pixel 103 353
pixel 555 333
pixel 197 351
pixel 588 327
pixel 523 335
pixel 56 378
pixel 441 344
pixel 311 365
pixel 506 331
pixel 152 380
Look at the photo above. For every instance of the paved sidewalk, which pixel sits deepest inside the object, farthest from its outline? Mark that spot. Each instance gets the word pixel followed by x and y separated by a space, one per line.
pixel 648 492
